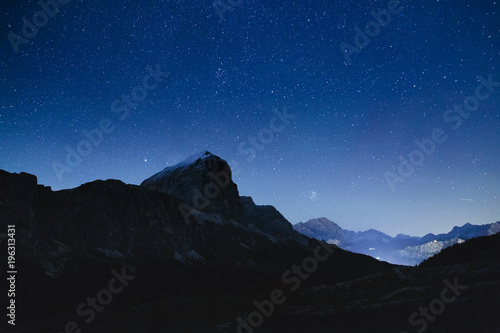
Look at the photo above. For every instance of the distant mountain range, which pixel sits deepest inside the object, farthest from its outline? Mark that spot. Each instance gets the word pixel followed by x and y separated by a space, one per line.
pixel 402 249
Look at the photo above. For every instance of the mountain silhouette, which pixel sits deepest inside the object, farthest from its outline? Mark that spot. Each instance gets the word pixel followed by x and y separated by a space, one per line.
pixel 69 241
pixel 184 252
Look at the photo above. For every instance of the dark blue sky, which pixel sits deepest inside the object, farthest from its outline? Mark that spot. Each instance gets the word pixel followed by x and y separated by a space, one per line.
pixel 269 89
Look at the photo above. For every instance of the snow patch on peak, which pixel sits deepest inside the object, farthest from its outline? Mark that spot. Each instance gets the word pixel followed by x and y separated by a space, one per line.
pixel 180 167
pixel 193 158
pixel 190 160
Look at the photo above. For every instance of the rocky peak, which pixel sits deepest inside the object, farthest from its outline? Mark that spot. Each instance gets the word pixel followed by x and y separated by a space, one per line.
pixel 494 229
pixel 202 181
pixel 320 228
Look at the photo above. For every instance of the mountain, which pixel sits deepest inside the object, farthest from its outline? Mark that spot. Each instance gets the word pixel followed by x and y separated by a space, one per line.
pixel 184 252
pixel 202 181
pixel 188 244
pixel 204 185
pixel 322 228
pixel 402 249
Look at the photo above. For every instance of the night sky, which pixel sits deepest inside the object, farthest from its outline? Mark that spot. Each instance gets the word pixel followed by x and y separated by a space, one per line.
pixel 315 115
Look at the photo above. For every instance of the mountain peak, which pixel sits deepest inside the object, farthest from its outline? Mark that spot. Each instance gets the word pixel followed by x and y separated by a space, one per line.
pixel 196 158
pixel 201 162
pixel 202 181
pixel 318 227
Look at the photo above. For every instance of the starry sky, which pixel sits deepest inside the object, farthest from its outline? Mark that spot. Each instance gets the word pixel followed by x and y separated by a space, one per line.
pixel 392 125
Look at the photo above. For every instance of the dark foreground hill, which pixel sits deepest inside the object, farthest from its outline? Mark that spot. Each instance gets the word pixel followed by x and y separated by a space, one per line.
pixel 455 291
pixel 184 252
pixel 480 249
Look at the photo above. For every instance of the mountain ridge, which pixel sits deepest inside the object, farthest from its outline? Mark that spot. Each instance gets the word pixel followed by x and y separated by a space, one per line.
pixel 214 271
pixel 73 237
pixel 402 249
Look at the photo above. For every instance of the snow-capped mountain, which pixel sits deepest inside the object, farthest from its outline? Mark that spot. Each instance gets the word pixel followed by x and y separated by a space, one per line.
pixel 402 249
